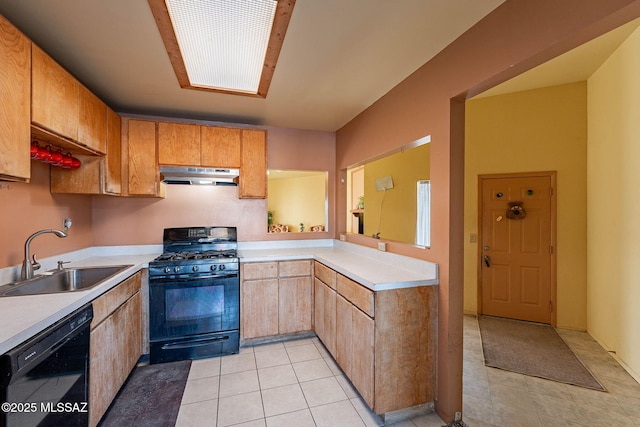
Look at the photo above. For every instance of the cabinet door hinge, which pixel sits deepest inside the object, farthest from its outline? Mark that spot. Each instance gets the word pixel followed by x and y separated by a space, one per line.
pixel 550 307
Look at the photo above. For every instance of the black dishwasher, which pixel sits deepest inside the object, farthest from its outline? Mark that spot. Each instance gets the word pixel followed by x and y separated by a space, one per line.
pixel 44 381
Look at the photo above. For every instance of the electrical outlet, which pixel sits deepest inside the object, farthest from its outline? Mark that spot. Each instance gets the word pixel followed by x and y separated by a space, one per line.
pixel 343 237
pixel 473 238
pixel 382 246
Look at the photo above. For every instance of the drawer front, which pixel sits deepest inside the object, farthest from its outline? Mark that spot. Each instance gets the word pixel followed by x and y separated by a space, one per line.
pixel 259 270
pixel 106 304
pixel 294 268
pixel 325 274
pixel 357 294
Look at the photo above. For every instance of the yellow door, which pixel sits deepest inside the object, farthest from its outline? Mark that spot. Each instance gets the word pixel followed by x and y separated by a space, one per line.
pixel 517 247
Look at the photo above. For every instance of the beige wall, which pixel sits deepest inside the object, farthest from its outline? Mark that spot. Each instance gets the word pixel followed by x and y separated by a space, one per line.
pixel 26 208
pixel 613 209
pixel 536 130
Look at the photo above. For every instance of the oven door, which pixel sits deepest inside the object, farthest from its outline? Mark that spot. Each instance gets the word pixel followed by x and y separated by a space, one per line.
pixel 186 306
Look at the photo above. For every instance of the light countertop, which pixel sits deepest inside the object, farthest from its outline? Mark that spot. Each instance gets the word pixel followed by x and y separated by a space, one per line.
pixel 24 316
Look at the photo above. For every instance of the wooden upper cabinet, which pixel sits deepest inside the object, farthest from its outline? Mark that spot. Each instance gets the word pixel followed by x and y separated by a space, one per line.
pixel 143 174
pixel 54 96
pixel 92 120
pixel 253 165
pixel 178 144
pixel 113 172
pixel 15 90
pixel 220 147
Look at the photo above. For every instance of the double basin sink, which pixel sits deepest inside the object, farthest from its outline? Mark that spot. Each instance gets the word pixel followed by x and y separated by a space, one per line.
pixel 65 280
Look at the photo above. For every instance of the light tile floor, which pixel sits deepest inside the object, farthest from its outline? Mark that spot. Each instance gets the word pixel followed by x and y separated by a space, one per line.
pixel 292 383
pixel 298 384
pixel 493 397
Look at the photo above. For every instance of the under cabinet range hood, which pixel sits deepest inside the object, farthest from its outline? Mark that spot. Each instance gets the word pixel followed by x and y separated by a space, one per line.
pixel 187 175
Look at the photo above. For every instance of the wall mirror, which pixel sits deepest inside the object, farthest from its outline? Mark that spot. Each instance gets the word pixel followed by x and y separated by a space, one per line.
pixel 297 201
pixel 390 197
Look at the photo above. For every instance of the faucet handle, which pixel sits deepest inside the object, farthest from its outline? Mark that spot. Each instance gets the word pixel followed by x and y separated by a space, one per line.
pixel 61 264
pixel 36 265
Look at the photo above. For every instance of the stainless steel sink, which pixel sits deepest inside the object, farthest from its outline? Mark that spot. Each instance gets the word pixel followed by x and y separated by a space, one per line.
pixel 66 280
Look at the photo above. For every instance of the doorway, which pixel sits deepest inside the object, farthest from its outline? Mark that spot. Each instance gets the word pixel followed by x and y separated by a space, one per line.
pixel 517 256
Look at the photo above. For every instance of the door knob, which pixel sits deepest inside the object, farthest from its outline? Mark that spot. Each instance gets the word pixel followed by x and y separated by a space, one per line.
pixel 486 248
pixel 487 261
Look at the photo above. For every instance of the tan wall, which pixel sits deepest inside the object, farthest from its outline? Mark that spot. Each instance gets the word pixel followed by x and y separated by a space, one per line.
pixel 119 221
pixel 106 220
pixel 535 130
pixel 518 35
pixel 26 208
pixel 613 222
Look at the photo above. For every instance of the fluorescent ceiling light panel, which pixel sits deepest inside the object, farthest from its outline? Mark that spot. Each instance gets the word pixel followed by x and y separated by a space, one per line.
pixel 223 45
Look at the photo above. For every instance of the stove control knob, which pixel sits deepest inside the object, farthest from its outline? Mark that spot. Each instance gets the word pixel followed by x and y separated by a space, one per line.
pixel 167 269
pixel 213 267
pixel 176 269
pixel 195 268
pixel 222 267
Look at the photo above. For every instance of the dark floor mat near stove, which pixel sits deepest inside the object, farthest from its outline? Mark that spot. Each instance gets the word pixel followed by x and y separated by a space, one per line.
pixel 151 396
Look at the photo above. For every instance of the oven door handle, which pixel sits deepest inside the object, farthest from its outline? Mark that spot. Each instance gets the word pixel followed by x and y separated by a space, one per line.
pixel 197 342
pixel 169 279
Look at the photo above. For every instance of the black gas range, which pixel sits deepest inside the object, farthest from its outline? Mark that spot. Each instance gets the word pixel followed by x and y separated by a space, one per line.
pixel 194 294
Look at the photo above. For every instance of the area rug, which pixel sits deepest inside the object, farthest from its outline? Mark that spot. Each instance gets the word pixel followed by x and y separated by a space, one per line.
pixel 533 349
pixel 150 397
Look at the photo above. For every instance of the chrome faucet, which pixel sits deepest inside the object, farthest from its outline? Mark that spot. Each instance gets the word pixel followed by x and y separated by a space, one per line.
pixel 27 265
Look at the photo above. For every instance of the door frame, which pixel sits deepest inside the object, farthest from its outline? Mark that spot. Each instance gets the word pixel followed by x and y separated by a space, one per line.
pixel 554 246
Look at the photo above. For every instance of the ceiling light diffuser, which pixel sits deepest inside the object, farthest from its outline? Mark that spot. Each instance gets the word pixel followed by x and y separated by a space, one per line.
pixel 223 45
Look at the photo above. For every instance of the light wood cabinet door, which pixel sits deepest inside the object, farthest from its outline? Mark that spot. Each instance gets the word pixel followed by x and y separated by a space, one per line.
pixel 325 315
pixel 92 120
pixel 113 171
pixel 178 144
pixel 295 302
pixel 88 179
pixel 116 345
pixel 15 93
pixel 54 96
pixel 220 147
pixel 344 333
pixel 143 174
pixel 253 165
pixel 259 308
pixel 362 345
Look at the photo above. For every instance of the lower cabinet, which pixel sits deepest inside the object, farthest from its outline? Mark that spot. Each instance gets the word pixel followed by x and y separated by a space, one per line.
pixel 384 341
pixel 276 298
pixel 325 314
pixel 116 343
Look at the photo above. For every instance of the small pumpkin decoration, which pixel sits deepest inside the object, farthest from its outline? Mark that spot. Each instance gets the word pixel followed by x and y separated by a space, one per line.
pixel 516 211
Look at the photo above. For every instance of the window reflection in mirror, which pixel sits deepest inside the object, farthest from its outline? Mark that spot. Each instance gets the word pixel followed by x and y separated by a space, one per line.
pixel 297 201
pixel 389 198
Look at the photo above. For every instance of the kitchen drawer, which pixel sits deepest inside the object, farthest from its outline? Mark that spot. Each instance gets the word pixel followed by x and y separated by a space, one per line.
pixel 357 294
pixel 259 270
pixel 106 304
pixel 325 274
pixel 295 268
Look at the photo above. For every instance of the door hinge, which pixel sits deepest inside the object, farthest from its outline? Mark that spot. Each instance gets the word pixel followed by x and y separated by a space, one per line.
pixel 550 307
pixel 551 250
pixel 550 191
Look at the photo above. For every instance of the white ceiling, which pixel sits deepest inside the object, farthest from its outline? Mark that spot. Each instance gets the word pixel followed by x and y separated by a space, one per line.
pixel 339 56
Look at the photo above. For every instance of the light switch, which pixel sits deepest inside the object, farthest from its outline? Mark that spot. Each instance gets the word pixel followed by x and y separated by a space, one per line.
pixel 382 246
